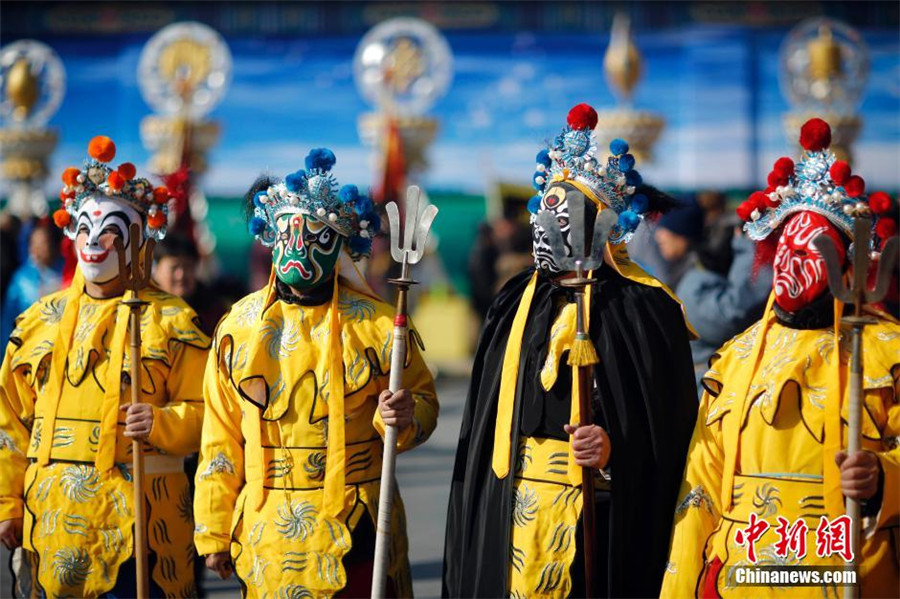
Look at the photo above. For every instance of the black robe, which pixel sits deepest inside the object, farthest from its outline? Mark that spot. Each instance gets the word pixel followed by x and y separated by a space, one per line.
pixel 646 400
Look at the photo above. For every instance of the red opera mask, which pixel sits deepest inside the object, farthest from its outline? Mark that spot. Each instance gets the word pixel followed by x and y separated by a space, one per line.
pixel 799 268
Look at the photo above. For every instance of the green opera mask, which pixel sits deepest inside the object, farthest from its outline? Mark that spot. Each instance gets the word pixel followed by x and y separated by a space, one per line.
pixel 305 251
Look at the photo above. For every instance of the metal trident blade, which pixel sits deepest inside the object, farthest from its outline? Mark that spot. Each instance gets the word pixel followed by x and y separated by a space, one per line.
pixel 415 232
pixel 862 230
pixel 135 276
pixel 603 224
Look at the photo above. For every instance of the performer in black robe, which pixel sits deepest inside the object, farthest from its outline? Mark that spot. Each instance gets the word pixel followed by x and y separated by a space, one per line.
pixel 518 535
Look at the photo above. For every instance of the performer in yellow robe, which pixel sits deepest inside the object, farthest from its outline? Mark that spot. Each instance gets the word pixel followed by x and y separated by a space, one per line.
pixel 66 423
pixel 296 405
pixel 768 441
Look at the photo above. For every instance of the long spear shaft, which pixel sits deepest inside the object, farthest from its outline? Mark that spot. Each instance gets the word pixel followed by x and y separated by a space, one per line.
pixel 386 494
pixel 585 392
pixel 859 295
pixel 414 236
pixel 135 277
pixel 578 260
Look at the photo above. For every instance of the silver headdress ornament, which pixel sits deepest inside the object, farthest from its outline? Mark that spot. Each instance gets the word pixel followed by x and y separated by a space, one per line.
pixel 612 180
pixel 818 183
pixel 315 192
pixel 97 177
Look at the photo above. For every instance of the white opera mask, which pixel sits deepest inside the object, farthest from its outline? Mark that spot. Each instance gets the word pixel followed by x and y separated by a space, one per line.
pixel 98 223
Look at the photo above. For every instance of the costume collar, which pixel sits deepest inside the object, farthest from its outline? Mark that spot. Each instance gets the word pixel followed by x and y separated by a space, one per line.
pixel 818 314
pixel 317 296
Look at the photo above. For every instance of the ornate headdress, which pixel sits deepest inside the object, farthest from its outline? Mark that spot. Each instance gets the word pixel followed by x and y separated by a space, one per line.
pixel 818 183
pixel 573 157
pixel 314 192
pixel 120 184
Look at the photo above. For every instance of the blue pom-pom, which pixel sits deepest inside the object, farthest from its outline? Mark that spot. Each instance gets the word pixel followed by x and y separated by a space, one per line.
pixel 374 222
pixel 320 158
pixel 618 147
pixel 543 157
pixel 257 199
pixel 295 181
pixel 628 220
pixel 349 193
pixel 360 245
pixel 257 225
pixel 626 162
pixel 534 180
pixel 363 206
pixel 534 204
pixel 633 177
pixel 640 203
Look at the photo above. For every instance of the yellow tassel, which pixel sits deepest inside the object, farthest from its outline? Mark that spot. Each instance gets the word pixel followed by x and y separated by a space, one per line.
pixel 582 352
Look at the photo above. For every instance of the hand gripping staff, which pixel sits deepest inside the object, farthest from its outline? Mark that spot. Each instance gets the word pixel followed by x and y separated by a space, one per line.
pixel 415 232
pixel 858 295
pixel 582 355
pixel 135 277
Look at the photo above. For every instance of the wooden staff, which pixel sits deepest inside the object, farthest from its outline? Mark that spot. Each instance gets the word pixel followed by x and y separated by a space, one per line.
pixel 582 356
pixel 858 295
pixel 134 277
pixel 415 234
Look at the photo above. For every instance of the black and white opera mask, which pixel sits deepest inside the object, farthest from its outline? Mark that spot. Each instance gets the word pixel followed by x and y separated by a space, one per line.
pixel 557 199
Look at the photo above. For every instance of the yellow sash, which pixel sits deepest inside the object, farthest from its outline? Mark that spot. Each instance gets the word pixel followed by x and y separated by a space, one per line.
pixel 335 449
pixel 109 413
pixel 58 361
pixel 509 379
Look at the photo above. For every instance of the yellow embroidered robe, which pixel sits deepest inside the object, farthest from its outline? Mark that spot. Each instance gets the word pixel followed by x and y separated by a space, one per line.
pixel 79 520
pixel 782 452
pixel 260 483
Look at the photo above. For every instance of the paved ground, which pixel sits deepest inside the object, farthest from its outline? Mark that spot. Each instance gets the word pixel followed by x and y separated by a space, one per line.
pixel 424 478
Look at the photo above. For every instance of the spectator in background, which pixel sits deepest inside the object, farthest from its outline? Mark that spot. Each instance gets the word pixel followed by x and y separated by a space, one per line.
pixel 678 233
pixel 38 276
pixel 482 269
pixel 502 249
pixel 175 271
pixel 723 292
pixel 10 226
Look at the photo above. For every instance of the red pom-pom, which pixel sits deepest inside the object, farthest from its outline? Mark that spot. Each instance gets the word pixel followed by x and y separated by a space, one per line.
pixel 102 148
pixel 758 200
pixel 115 181
pixel 65 195
pixel 582 117
pixel 879 202
pixel 886 228
pixel 62 218
pixel 127 170
pixel 784 166
pixel 775 180
pixel 855 186
pixel 70 176
pixel 840 172
pixel 815 135
pixel 744 210
pixel 160 195
pixel 157 220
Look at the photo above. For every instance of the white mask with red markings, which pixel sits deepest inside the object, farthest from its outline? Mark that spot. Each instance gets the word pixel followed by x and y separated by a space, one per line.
pixel 799 268
pixel 98 223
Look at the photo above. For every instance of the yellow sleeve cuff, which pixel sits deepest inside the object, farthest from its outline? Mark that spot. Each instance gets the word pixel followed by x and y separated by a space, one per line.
pixel 405 437
pixel 889 513
pixel 209 543
pixel 11 507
